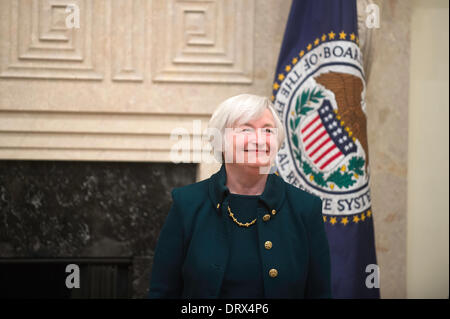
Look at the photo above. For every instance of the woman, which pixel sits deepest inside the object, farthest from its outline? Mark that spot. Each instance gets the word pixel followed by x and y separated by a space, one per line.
pixel 243 233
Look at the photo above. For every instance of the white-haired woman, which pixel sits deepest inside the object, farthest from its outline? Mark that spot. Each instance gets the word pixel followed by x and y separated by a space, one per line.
pixel 243 232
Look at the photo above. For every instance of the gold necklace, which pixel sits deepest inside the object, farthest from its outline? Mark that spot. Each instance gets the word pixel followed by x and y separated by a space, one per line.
pixel 239 223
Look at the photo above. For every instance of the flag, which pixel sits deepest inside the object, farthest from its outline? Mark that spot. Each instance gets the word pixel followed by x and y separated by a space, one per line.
pixel 318 92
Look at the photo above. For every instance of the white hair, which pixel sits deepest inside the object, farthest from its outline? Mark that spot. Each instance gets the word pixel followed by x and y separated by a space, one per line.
pixel 238 110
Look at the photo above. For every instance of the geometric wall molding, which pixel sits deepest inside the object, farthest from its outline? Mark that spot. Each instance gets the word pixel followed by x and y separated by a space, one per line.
pixel 40 46
pixel 96 136
pixel 115 88
pixel 128 39
pixel 203 41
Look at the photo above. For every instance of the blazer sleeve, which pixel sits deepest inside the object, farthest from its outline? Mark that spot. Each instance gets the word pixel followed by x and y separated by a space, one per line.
pixel 318 283
pixel 166 277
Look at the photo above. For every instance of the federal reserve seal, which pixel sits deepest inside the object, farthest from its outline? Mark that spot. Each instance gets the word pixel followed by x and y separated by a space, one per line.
pixel 320 99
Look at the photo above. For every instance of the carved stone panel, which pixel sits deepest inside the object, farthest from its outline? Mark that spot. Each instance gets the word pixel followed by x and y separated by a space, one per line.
pixel 203 41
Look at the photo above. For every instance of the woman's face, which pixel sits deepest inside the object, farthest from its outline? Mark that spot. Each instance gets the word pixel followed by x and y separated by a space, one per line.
pixel 253 143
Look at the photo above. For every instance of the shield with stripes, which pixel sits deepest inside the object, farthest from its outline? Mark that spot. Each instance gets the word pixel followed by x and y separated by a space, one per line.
pixel 325 140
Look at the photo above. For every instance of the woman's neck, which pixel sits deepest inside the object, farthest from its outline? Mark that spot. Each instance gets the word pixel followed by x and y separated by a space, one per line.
pixel 245 180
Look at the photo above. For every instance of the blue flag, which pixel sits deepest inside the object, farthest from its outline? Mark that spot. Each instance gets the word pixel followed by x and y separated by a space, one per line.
pixel 319 93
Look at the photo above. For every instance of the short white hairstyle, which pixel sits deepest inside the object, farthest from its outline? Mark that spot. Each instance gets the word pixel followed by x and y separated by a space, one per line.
pixel 241 109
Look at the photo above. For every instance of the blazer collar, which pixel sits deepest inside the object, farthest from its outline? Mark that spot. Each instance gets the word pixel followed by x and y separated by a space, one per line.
pixel 272 196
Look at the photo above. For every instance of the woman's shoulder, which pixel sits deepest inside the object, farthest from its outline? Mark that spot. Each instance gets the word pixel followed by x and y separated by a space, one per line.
pixel 191 193
pixel 191 200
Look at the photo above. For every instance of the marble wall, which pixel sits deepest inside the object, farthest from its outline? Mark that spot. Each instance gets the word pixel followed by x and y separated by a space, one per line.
pixel 73 209
pixel 387 125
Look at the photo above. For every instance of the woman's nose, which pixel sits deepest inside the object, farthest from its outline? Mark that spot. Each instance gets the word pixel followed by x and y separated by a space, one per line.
pixel 259 138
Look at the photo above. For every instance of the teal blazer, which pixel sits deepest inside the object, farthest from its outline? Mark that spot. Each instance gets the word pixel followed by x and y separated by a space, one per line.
pixel 192 250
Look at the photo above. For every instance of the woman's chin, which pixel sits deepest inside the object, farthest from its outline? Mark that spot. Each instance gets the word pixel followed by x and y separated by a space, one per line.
pixel 257 163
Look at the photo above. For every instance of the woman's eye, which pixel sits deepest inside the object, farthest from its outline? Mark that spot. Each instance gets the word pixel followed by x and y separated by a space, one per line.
pixel 269 130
